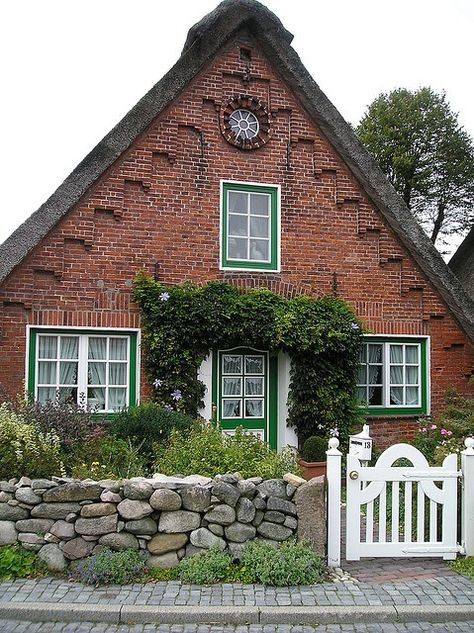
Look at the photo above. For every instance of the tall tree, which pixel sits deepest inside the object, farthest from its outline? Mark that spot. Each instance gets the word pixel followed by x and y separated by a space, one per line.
pixel 426 154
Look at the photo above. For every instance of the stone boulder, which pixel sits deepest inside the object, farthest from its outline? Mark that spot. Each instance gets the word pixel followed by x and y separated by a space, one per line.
pixel 202 537
pixel 27 495
pixel 78 548
pixel 165 500
pixel 74 491
pixel 38 526
pixel 227 493
pixel 281 505
pixel 12 513
pixel 163 543
pixel 273 531
pixel 132 510
pixel 179 521
pixel 142 526
pixel 8 533
pixel 52 555
pixel 240 532
pixel 63 530
pixel 137 490
pixel 98 510
pixel 245 510
pixel 99 525
pixel 54 510
pixel 222 514
pixel 165 561
pixel 196 498
pixel 121 541
pixel 273 488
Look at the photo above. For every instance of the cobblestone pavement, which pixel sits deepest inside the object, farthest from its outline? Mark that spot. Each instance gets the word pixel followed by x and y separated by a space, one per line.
pixel 382 570
pixel 88 627
pixel 438 591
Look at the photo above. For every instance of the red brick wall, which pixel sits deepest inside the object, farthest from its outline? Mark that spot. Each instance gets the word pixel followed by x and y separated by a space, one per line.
pixel 160 203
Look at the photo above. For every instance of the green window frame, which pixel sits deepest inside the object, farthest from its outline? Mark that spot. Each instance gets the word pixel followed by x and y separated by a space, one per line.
pixel 250 226
pixel 393 377
pixel 92 367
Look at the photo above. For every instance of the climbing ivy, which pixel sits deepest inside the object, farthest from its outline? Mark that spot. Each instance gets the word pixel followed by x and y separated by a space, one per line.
pixel 182 323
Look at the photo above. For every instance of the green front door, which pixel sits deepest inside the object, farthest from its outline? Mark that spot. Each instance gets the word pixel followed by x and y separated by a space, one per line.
pixel 245 391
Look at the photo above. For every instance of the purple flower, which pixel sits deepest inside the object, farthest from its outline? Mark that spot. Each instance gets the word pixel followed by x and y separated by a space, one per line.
pixel 176 394
pixel 164 296
pixel 168 408
pixel 334 432
pixel 354 326
pixel 157 383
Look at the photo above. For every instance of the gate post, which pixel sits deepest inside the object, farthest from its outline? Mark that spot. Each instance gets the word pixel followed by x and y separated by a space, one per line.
pixel 467 519
pixel 333 474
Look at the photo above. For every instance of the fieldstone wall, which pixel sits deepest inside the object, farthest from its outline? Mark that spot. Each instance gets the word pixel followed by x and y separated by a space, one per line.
pixel 166 517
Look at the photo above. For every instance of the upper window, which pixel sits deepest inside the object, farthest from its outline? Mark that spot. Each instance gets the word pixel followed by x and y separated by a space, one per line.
pixel 93 368
pixel 249 227
pixel 393 376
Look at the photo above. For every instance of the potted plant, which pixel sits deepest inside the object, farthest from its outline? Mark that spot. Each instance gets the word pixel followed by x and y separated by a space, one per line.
pixel 313 456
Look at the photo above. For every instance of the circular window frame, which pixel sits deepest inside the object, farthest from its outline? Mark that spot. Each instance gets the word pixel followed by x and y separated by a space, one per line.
pixel 255 107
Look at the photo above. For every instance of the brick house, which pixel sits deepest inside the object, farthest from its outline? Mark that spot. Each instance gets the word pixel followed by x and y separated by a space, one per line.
pixel 235 166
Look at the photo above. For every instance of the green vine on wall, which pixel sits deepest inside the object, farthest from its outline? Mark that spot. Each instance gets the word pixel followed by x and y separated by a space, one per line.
pixel 182 323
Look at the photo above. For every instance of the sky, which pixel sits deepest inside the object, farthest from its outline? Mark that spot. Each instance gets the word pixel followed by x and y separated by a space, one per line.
pixel 71 69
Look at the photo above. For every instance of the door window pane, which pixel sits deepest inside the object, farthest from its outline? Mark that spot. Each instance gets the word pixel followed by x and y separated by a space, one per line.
pixel 254 408
pixel 232 386
pixel 254 364
pixel 231 408
pixel 254 386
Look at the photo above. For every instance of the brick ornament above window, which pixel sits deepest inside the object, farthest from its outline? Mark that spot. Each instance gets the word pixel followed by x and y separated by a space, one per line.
pixel 245 122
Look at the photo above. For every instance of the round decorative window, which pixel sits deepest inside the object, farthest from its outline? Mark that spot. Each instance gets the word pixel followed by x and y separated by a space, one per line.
pixel 245 122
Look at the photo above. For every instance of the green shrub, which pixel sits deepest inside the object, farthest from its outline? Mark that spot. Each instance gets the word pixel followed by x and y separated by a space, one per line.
pixel 146 424
pixel 25 450
pixel 15 562
pixel 71 422
pixel 106 457
pixel 205 568
pixel 314 449
pixel 109 567
pixel 290 563
pixel 205 450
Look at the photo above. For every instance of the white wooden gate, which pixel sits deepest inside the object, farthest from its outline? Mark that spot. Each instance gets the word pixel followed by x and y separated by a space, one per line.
pixel 403 510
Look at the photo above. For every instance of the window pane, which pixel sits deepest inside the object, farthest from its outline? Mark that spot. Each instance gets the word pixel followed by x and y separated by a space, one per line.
pixel 412 375
pixel 375 375
pixel 117 373
pixel 362 395
pixel 46 394
pixel 259 204
pixel 96 398
pixel 69 346
pixel 396 395
pixel 48 347
pixel 362 375
pixel 237 248
pixel 231 408
pixel 259 250
pixel 117 399
pixel 67 373
pixel 237 202
pixel 396 375
pixel 96 374
pixel 47 373
pixel 254 364
pixel 375 353
pixel 67 394
pixel 254 408
pixel 375 396
pixel 118 349
pixel 231 364
pixel 98 348
pixel 363 354
pixel 254 386
pixel 259 227
pixel 411 352
pixel 412 395
pixel 237 224
pixel 396 353
pixel 232 386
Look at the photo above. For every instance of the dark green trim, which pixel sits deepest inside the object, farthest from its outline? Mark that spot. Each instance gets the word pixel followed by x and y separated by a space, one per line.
pixel 132 335
pixel 274 224
pixel 270 425
pixel 409 411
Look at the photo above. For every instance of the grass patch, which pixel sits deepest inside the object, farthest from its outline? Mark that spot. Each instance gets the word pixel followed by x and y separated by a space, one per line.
pixel 464 566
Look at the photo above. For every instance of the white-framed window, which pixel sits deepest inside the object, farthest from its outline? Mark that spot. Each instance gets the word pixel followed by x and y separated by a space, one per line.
pixel 393 375
pixel 93 368
pixel 250 226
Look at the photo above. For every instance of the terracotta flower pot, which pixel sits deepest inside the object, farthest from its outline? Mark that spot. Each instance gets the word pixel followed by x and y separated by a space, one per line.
pixel 312 469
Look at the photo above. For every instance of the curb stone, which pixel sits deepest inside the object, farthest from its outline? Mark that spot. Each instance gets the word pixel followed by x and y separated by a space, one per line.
pixel 149 614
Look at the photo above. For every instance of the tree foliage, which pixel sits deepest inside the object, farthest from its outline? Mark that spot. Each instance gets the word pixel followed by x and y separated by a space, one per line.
pixel 426 154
